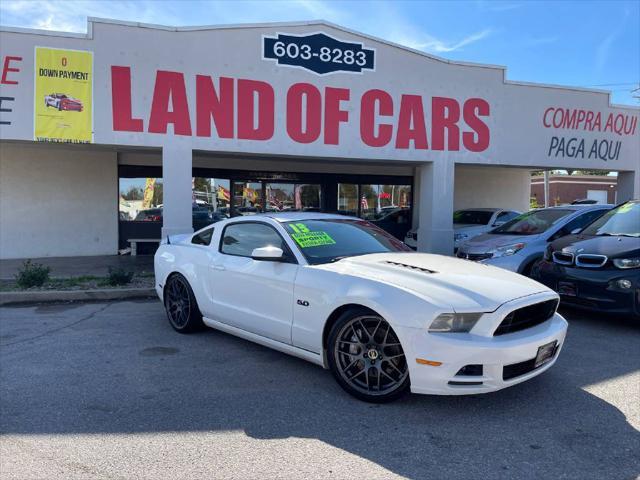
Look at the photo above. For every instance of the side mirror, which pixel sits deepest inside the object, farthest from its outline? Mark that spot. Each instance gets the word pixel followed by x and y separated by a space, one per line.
pixel 268 254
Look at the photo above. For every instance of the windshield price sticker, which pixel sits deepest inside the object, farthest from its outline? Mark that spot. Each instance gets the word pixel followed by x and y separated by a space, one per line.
pixel 318 53
pixel 312 239
pixel 306 238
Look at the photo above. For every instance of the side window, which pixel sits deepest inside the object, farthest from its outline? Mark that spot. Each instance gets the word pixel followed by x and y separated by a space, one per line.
pixel 203 238
pixel 504 217
pixel 580 222
pixel 241 239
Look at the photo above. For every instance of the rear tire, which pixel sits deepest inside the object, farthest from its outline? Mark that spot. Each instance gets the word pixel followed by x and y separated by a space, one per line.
pixel 366 358
pixel 181 305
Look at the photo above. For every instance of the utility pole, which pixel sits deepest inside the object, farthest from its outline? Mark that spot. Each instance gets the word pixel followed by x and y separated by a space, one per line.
pixel 546 188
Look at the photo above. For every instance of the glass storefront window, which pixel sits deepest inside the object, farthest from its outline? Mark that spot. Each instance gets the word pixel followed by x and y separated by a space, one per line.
pixel 387 206
pixel 212 194
pixel 140 199
pixel 283 197
pixel 378 201
pixel 308 197
pixel 247 198
pixel 211 201
pixel 348 199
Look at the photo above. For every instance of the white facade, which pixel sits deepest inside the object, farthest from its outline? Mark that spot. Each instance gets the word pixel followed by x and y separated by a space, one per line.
pixel 443 122
pixel 57 202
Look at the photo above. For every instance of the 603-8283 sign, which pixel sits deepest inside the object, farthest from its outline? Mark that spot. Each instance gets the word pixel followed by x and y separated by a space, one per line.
pixel 318 52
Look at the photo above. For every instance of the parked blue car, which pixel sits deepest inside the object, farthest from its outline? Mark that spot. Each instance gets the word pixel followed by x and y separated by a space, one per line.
pixel 520 243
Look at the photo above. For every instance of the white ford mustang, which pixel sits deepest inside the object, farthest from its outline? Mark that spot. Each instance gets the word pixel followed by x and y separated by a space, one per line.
pixel 343 294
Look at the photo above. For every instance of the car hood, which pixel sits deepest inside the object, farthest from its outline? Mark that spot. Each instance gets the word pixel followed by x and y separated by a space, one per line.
pixel 612 247
pixel 446 281
pixel 488 241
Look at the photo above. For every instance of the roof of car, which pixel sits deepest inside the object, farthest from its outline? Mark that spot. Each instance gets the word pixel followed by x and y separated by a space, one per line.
pixel 579 207
pixel 300 216
pixel 480 209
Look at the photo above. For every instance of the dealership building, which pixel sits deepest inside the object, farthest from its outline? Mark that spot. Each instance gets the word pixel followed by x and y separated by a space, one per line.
pixel 135 131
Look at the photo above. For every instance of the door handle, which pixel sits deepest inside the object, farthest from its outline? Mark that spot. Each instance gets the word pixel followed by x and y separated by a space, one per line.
pixel 218 267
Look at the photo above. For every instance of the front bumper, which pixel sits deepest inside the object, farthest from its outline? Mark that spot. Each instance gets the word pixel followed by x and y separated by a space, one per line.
pixel 595 289
pixel 493 353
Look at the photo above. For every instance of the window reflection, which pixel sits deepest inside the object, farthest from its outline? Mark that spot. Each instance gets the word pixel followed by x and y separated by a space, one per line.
pixel 140 199
pixel 348 199
pixel 289 197
pixel 247 198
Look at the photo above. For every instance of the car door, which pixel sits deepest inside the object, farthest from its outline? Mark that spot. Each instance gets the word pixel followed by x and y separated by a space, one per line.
pixel 253 295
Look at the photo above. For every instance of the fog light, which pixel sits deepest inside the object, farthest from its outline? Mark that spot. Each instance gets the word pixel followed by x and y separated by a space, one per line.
pixel 624 283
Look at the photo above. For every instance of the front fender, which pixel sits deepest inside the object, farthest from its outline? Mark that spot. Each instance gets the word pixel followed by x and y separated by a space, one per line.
pixel 321 292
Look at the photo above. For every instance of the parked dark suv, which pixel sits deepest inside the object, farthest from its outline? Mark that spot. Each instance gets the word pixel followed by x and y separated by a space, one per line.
pixel 598 268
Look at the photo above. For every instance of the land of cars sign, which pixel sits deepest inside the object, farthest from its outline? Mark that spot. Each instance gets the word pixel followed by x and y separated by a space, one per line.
pixel 245 109
pixel 318 53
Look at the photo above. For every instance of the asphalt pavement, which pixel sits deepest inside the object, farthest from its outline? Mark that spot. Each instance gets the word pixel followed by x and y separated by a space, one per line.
pixel 109 390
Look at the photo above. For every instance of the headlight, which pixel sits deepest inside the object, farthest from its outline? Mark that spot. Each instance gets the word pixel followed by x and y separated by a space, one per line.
pixel 454 322
pixel 507 250
pixel 460 236
pixel 627 262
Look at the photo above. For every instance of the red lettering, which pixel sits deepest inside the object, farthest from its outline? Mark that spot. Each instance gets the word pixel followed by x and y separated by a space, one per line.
pixel 123 120
pixel 588 120
pixel 368 120
pixel 544 117
pixel 411 123
pixel 211 105
pixel 248 92
pixel 313 113
pixel 472 109
pixel 170 87
pixel 333 115
pixel 6 68
pixel 445 113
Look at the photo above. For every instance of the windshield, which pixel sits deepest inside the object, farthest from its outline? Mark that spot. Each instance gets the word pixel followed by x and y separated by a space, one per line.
pixel 474 217
pixel 624 220
pixel 323 241
pixel 532 223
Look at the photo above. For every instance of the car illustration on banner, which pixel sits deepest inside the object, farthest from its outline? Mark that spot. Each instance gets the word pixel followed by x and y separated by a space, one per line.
pixel 62 102
pixel 342 293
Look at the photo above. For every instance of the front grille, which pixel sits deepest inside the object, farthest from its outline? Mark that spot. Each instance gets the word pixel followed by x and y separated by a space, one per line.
pixel 527 317
pixel 590 261
pixel 517 369
pixel 476 257
pixel 563 258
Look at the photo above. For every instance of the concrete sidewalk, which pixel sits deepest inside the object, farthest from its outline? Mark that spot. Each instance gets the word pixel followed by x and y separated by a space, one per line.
pixel 98 266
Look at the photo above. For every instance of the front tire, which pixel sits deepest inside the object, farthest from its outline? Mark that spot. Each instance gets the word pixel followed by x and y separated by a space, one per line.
pixel 366 358
pixel 181 306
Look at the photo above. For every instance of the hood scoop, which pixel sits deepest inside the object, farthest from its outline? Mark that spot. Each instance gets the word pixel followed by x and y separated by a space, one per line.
pixel 410 267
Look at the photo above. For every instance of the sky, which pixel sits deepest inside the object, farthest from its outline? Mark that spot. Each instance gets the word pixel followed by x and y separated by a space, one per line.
pixel 578 43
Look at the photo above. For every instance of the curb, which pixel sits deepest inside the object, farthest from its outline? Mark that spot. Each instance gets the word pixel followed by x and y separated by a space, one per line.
pixel 7 298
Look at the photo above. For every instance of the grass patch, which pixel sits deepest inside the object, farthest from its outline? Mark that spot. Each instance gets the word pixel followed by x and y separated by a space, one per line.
pixel 83 282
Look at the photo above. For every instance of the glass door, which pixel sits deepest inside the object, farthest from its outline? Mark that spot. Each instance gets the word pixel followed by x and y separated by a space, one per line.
pixel 248 198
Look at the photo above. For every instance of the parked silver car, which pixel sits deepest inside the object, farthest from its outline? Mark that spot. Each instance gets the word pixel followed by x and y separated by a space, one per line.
pixel 520 243
pixel 470 223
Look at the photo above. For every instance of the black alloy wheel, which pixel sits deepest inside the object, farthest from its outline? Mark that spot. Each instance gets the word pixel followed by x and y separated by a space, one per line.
pixel 181 306
pixel 366 357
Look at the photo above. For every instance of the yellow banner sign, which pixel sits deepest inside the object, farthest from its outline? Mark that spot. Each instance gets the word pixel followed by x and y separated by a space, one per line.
pixel 63 96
